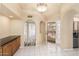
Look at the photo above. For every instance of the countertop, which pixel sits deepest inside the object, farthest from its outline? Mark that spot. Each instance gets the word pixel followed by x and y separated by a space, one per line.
pixel 5 40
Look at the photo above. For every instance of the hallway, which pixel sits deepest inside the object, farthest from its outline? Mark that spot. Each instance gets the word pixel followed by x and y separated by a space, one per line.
pixel 46 50
pixel 36 25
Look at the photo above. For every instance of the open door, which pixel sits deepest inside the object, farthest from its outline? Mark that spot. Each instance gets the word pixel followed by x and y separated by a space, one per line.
pixel 51 32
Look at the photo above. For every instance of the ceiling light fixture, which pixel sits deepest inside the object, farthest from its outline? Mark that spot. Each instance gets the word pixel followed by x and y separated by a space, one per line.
pixel 41 7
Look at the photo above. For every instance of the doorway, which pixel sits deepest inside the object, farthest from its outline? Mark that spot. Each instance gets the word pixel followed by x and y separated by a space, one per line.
pixel 51 32
pixel 76 32
pixel 30 33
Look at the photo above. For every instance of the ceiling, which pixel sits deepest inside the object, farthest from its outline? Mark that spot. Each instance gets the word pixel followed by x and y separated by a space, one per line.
pixel 7 12
pixel 52 9
pixel 22 10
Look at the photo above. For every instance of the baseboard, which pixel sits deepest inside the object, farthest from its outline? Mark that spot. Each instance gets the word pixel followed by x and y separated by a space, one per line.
pixel 68 49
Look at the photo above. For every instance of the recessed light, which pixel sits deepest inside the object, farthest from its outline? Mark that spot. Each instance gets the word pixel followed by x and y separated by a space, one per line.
pixel 11 16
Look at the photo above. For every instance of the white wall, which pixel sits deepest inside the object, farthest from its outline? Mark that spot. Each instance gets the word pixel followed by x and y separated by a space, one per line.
pixel 4 26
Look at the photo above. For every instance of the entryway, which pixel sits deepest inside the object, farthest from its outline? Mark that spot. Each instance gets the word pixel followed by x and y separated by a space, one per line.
pixel 30 33
pixel 51 32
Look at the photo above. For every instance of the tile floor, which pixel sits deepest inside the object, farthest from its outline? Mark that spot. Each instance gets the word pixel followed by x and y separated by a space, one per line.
pixel 46 50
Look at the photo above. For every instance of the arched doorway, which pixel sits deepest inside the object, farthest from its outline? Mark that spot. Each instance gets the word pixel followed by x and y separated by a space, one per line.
pixel 51 32
pixel 67 29
pixel 30 33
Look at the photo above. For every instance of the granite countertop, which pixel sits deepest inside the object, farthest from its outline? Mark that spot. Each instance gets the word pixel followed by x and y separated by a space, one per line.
pixel 5 40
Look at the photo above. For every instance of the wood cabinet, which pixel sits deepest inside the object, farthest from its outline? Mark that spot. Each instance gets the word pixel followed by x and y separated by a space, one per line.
pixel 7 49
pixel 18 42
pixel 0 51
pixel 11 47
pixel 15 45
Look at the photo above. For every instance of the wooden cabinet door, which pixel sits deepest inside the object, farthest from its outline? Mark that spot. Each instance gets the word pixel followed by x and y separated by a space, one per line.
pixel 18 42
pixel 0 51
pixel 14 46
pixel 7 50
